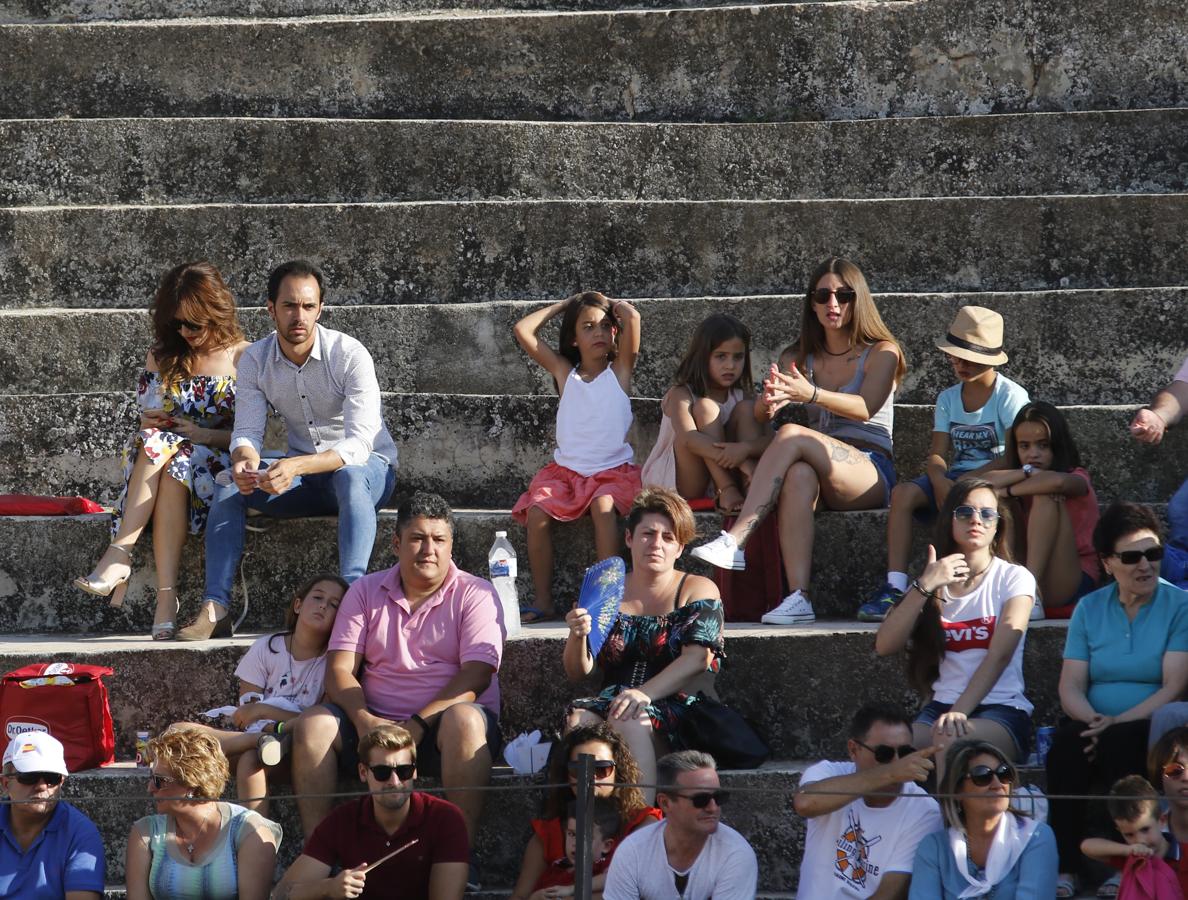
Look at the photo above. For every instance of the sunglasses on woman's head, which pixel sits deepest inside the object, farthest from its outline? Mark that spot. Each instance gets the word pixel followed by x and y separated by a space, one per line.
pixel 884 753
pixel 1174 770
pixel 53 779
pixel 981 775
pixel 404 771
pixel 602 767
pixel 844 295
pixel 1131 557
pixel 966 513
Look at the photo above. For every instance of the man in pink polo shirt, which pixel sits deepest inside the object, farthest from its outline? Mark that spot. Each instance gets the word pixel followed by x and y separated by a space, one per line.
pixel 417 645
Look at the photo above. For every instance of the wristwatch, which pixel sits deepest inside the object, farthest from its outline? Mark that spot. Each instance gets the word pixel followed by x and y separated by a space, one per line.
pixel 1028 468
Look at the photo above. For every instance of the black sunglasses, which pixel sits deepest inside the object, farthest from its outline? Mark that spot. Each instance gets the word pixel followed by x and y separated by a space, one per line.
pixel 844 295
pixel 981 775
pixel 884 753
pixel 404 771
pixel 985 513
pixel 53 779
pixel 179 324
pixel 159 781
pixel 1131 557
pixel 602 767
pixel 702 799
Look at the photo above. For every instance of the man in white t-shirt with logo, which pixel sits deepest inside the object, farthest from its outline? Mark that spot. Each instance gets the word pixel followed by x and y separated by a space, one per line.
pixel 690 854
pixel 866 816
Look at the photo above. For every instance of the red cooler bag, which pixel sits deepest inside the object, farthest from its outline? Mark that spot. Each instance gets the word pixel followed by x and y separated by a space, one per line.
pixel 69 700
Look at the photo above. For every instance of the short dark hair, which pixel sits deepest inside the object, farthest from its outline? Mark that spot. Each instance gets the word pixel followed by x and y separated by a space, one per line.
pixel 423 505
pixel 1132 798
pixel 298 268
pixel 606 816
pixel 1120 519
pixel 869 713
pixel 670 766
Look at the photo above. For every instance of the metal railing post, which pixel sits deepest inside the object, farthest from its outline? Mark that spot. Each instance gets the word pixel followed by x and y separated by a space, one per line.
pixel 583 873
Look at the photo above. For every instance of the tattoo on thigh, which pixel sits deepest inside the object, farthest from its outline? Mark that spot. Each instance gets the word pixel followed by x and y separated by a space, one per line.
pixel 766 506
pixel 844 453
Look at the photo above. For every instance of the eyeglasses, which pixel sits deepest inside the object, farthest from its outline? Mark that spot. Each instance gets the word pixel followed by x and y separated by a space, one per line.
pixel 702 800
pixel 1131 557
pixel 156 782
pixel 404 771
pixel 981 775
pixel 884 753
pixel 1174 770
pixel 844 295
pixel 602 767
pixel 179 324
pixel 53 779
pixel 966 513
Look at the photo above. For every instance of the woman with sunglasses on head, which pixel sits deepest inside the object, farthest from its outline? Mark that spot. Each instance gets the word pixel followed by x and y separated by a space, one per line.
pixel 963 623
pixel 843 373
pixel 197 847
pixel 1126 655
pixel 1168 769
pixel 988 849
pixel 186 395
pixel 613 765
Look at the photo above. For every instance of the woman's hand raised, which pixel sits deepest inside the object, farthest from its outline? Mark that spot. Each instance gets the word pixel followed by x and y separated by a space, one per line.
pixel 939 573
pixel 579 622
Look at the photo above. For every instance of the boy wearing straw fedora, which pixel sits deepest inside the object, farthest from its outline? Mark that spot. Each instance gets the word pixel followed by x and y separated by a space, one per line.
pixel 971 427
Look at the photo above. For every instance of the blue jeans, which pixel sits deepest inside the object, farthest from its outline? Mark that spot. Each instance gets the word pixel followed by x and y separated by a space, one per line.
pixel 354 493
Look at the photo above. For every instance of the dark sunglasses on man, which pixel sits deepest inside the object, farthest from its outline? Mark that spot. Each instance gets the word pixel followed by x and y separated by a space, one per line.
pixel 53 779
pixel 884 753
pixel 404 772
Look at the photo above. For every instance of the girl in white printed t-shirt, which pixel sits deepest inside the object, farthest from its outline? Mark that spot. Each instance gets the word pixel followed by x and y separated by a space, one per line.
pixel 964 623
pixel 286 671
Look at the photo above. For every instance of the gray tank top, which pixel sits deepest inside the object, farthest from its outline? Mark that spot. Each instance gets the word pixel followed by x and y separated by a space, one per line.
pixel 875 431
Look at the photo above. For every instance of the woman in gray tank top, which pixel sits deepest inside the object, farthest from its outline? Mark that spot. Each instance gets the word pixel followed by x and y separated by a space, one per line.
pixel 842 374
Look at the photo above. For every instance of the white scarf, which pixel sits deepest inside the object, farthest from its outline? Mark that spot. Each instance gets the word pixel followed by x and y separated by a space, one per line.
pixel 1010 838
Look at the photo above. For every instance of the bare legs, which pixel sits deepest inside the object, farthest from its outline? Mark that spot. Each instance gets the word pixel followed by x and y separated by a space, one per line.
pixel 316 746
pixel 694 472
pixel 798 501
pixel 465 760
pixel 906 498
pixel 139 502
pixel 171 516
pixel 1051 553
pixel 607 538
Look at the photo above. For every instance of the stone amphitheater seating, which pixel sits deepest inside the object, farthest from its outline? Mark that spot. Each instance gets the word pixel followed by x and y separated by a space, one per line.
pixel 452 168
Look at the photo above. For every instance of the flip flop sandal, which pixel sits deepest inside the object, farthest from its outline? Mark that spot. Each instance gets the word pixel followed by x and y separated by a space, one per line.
pixel 530 615
pixel 1066 889
pixel 1110 888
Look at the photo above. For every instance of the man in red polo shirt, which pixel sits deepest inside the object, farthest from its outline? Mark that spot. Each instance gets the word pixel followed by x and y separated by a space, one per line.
pixel 428 832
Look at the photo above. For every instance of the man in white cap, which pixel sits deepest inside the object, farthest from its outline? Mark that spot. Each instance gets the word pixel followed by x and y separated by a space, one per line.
pixel 47 847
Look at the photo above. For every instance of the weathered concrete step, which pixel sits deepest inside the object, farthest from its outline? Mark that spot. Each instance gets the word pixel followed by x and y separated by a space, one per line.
pixel 483 450
pixel 1103 346
pixel 760 809
pixel 243 160
pixel 480 251
pixel 802 61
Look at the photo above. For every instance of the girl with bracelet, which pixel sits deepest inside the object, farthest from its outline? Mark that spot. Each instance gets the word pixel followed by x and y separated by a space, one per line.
pixel 963 623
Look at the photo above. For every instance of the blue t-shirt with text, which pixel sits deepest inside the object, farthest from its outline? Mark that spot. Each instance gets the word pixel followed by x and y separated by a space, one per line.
pixel 978 437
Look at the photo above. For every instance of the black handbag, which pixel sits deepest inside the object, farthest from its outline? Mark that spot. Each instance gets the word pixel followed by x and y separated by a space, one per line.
pixel 716 729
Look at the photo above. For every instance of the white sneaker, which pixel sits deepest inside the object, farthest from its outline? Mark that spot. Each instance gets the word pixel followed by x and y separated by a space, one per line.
pixel 794 609
pixel 722 552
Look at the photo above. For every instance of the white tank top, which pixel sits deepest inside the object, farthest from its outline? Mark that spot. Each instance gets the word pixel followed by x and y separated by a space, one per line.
pixel 592 422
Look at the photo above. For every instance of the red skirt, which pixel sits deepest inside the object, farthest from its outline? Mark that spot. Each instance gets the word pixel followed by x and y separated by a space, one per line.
pixel 565 495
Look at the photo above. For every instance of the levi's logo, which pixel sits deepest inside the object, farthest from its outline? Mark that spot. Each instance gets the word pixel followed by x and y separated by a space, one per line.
pixel 14 728
pixel 973 634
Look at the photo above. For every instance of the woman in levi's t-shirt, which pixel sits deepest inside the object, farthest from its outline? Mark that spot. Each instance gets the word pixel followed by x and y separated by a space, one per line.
pixel 963 623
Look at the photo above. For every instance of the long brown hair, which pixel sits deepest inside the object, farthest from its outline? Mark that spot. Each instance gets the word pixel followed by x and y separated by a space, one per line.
pixel 926 648
pixel 866 325
pixel 573 309
pixel 716 329
pixel 194 291
pixel 629 800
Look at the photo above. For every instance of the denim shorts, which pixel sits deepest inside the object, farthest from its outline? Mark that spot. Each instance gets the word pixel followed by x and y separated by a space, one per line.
pixel 924 483
pixel 886 468
pixel 428 754
pixel 1015 721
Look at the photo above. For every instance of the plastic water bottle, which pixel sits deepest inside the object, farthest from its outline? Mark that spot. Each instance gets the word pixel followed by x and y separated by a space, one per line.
pixel 502 563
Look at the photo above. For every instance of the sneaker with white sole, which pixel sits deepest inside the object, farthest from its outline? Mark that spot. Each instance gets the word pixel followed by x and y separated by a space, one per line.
pixel 723 552
pixel 794 609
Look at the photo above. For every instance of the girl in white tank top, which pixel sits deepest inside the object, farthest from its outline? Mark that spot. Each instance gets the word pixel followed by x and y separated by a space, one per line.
pixel 709 438
pixel 592 468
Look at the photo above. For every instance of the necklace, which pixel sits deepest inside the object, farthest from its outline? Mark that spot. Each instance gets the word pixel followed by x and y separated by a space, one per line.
pixel 849 349
pixel 972 575
pixel 189 845
pixel 295 688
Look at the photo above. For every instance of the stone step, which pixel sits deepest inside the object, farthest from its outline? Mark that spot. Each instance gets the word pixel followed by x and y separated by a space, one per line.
pixel 243 160
pixel 41 556
pixel 1068 346
pixel 760 808
pixel 87 257
pixel 74 11
pixel 483 450
pixel 802 61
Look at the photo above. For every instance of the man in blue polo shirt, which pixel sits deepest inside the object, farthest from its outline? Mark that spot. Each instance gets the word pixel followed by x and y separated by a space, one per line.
pixel 47 847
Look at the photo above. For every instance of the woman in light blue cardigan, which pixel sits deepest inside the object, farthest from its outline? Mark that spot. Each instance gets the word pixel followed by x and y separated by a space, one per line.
pixel 988 848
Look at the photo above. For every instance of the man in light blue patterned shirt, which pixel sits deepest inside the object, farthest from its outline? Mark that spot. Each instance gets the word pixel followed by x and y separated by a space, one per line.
pixel 340 460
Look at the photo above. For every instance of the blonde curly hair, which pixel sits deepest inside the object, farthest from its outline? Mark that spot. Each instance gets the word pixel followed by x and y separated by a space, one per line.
pixel 194 757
